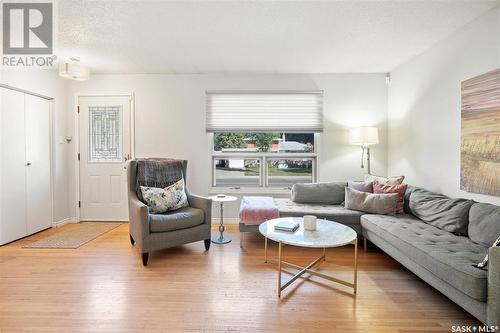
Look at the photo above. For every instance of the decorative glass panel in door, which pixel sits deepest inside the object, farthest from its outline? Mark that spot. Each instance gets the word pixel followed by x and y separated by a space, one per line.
pixel 105 134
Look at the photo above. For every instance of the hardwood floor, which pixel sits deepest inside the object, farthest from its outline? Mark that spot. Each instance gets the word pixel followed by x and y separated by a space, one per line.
pixel 103 287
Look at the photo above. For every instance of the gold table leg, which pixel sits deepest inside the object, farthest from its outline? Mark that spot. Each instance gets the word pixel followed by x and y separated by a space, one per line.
pixel 308 268
pixel 279 270
pixel 355 265
pixel 265 249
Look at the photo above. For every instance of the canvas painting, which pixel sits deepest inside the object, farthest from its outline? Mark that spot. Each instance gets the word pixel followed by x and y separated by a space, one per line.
pixel 480 146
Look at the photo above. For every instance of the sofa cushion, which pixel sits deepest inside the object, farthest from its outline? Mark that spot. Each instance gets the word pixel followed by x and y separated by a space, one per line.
pixel 177 219
pixel 331 193
pixel 370 202
pixel 361 186
pixel 448 256
pixel 484 223
pixel 337 213
pixel 408 192
pixel 451 215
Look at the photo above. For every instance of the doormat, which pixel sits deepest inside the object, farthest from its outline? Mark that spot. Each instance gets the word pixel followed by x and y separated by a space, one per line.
pixel 83 233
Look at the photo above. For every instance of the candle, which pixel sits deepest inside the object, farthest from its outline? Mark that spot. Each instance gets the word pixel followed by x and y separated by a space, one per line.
pixel 309 222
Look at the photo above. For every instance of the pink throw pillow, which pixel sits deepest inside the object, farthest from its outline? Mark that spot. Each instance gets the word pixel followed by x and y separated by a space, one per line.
pixel 399 189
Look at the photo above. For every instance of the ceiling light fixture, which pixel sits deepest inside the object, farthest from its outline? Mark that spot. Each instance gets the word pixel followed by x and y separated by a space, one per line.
pixel 73 70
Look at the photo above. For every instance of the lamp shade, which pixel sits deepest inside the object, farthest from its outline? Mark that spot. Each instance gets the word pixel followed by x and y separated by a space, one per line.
pixel 74 71
pixel 363 136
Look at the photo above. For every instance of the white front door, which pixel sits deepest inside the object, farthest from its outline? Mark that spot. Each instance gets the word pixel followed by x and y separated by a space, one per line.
pixel 105 146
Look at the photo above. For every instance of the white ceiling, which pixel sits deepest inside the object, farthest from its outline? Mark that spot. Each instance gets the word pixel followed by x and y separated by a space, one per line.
pixel 256 36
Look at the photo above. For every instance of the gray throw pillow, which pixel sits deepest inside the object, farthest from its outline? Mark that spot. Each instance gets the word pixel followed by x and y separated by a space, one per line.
pixel 371 203
pixel 436 209
pixel 484 223
pixel 361 186
pixel 331 193
pixel 408 192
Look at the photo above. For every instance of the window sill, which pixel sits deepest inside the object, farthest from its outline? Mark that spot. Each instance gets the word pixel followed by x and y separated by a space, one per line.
pixel 249 191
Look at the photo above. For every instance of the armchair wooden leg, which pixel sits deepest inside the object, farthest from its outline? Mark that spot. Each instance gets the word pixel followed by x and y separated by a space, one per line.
pixel 145 257
pixel 132 241
pixel 207 244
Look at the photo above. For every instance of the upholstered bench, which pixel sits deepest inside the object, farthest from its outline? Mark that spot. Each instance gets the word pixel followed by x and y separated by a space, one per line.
pixel 254 211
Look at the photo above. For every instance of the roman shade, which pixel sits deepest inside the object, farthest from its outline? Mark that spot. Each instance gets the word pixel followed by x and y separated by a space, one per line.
pixel 236 111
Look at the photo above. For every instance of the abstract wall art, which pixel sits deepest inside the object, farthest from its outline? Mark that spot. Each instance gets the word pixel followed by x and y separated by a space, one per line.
pixel 480 135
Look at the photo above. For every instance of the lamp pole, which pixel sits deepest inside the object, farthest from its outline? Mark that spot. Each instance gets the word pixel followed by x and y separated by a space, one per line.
pixel 368 159
pixel 367 148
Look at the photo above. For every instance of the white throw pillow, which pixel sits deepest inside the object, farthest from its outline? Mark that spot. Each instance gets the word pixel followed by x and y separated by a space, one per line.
pixel 161 200
pixel 394 180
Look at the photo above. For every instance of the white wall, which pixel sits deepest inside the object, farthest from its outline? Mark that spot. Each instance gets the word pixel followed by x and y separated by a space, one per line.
pixel 170 117
pixel 48 83
pixel 424 106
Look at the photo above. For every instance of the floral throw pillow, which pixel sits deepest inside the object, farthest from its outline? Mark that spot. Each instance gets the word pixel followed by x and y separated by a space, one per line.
pixel 161 200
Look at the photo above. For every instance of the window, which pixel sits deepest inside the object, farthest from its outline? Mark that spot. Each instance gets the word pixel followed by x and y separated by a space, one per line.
pixel 266 140
pixel 276 160
pixel 237 172
pixel 286 172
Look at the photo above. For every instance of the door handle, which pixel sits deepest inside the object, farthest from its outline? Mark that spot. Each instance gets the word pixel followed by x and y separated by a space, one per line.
pixel 28 163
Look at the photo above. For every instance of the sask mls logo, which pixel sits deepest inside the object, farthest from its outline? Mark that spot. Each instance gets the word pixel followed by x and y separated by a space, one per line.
pixel 27 34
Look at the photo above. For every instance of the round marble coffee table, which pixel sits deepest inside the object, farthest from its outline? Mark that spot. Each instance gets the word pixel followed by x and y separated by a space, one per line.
pixel 327 234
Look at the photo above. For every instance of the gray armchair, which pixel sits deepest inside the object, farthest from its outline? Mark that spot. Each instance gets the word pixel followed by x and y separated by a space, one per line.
pixel 152 232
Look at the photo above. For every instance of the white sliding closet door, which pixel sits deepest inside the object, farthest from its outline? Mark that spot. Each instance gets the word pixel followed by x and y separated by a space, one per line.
pixel 12 166
pixel 38 189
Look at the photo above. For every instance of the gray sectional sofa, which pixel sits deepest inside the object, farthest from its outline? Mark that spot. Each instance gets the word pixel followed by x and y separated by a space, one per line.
pixel 441 258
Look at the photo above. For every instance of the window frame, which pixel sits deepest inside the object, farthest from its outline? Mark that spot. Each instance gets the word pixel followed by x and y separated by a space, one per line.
pixel 263 157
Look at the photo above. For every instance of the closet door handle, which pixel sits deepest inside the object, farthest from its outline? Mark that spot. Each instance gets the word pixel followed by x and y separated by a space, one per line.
pixel 28 163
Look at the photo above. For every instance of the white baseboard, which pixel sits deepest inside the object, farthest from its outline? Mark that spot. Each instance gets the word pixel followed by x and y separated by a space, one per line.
pixel 227 220
pixel 58 224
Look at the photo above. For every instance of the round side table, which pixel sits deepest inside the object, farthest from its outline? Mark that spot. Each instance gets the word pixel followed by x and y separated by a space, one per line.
pixel 227 198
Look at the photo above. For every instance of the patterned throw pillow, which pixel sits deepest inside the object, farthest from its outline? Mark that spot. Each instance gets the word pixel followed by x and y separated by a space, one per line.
pixel 161 200
pixel 399 189
pixel 394 180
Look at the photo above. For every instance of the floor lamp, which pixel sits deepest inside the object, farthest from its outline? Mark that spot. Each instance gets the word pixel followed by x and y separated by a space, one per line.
pixel 365 137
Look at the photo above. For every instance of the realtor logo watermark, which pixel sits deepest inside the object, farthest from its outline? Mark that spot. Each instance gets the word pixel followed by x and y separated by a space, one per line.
pixel 28 34
pixel 473 329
